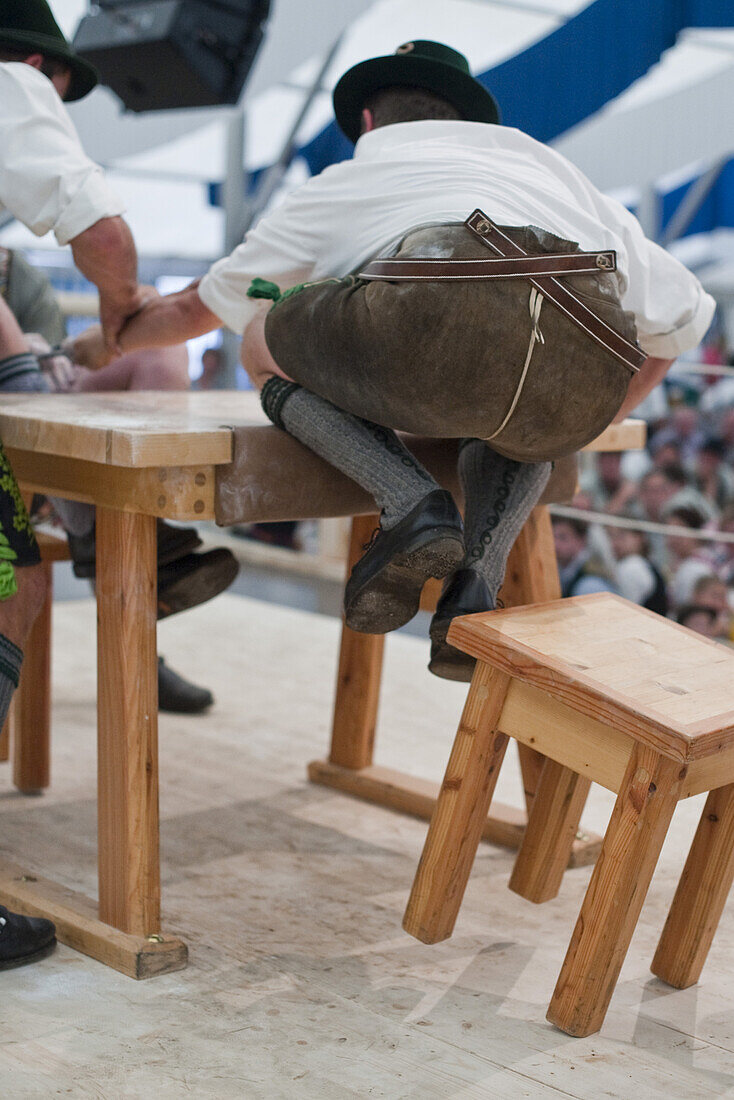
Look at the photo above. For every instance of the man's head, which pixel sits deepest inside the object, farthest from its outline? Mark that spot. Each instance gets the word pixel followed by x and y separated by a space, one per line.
pixel 30 34
pixel 390 105
pixel 569 537
pixel 416 69
pixel 657 487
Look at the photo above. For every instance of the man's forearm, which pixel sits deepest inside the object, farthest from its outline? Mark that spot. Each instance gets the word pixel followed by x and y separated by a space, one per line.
pixel 650 375
pixel 169 320
pixel 12 340
pixel 105 253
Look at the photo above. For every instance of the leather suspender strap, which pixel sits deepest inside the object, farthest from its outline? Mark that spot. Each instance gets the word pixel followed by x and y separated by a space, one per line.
pixel 549 263
pixel 631 355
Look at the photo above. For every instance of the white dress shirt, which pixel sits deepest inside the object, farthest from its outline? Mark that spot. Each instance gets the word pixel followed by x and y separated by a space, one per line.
pixel 413 173
pixel 46 179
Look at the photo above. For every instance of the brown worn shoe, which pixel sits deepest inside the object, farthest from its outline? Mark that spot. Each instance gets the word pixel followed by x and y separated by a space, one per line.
pixel 194 579
pixel 384 589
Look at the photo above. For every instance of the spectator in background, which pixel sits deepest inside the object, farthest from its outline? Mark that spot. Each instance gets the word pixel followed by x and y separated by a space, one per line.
pixel 700 619
pixel 713 478
pixel 709 591
pixel 580 571
pixel 726 428
pixel 723 552
pixel 212 362
pixel 657 488
pixel 684 430
pixel 635 577
pixel 665 454
pixel 687 561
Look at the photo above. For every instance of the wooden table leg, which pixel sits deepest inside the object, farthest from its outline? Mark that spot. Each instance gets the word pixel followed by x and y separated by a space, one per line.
pixel 129 870
pixel 619 883
pixel 552 825
pixel 358 680
pixel 5 740
pixel 30 716
pixel 461 810
pixel 701 895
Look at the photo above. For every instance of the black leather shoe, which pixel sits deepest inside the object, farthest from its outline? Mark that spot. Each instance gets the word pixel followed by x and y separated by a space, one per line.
pixel 384 589
pixel 179 696
pixel 173 543
pixel 194 579
pixel 24 939
pixel 464 593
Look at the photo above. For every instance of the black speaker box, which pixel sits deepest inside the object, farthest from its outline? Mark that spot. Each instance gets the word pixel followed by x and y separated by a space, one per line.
pixel 160 54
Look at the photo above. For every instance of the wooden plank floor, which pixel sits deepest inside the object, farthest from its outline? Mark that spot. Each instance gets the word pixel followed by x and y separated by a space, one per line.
pixel 301 983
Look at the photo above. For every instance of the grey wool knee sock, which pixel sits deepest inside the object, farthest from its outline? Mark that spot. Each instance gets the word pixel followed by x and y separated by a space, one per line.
pixel 371 455
pixel 11 658
pixel 500 495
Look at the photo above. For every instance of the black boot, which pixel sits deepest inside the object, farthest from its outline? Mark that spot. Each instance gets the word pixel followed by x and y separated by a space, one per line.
pixel 24 939
pixel 179 696
pixel 464 593
pixel 384 589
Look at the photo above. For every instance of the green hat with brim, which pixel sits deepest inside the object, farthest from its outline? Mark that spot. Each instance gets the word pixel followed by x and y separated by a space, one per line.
pixel 428 65
pixel 29 24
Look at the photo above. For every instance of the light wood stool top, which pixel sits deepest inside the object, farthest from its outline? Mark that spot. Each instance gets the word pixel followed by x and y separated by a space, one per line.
pixel 611 693
pixel 611 660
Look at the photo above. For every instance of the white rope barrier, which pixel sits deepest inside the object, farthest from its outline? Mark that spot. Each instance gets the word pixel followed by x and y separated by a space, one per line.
pixel 682 367
pixel 563 511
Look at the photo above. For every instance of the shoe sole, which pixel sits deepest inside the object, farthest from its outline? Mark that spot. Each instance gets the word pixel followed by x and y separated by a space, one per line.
pixel 448 662
pixel 391 598
pixel 11 964
pixel 197 587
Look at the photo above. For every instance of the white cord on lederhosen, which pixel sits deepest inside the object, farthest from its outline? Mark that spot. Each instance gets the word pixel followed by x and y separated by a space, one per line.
pixel 535 304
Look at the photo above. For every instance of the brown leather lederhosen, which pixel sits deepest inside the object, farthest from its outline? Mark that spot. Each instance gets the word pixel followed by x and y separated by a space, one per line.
pixel 447 336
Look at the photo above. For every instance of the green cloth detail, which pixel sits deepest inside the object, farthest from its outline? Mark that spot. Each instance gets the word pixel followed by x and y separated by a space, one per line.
pixel 8 582
pixel 263 288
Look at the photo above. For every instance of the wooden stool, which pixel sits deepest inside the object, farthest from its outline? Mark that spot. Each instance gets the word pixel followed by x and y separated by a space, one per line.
pixel 609 693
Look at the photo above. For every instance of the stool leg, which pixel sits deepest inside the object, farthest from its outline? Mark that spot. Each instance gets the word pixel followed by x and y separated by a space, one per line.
pixel 461 810
pixel 532 577
pixel 550 832
pixel 30 718
pixel 619 883
pixel 701 895
pixel 358 679
pixel 127 722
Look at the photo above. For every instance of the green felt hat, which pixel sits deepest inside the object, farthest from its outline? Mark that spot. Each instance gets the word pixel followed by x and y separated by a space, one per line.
pixel 29 24
pixel 429 65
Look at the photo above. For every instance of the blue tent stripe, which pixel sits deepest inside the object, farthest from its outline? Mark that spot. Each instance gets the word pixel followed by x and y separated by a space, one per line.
pixel 715 212
pixel 572 72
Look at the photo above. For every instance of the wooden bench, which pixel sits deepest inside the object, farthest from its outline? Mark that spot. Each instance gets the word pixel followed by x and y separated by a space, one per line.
pixel 182 457
pixel 613 694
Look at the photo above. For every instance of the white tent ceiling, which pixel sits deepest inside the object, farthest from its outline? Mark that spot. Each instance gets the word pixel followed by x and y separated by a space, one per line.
pixel 681 111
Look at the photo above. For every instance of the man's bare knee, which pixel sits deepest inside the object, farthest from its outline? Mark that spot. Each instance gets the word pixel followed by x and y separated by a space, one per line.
pixel 18 613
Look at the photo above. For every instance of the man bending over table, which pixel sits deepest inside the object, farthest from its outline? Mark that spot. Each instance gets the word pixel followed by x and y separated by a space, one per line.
pixel 518 338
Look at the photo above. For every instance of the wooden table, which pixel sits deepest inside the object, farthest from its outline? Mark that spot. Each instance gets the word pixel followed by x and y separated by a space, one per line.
pixel 136 456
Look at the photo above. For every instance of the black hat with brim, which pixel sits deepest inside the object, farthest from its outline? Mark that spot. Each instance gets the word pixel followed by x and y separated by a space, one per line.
pixel 30 25
pixel 429 65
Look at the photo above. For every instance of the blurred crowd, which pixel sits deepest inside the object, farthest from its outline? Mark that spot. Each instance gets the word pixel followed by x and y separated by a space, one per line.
pixel 684 481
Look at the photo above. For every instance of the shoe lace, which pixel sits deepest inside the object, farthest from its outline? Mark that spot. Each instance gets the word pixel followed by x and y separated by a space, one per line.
pixel 373 538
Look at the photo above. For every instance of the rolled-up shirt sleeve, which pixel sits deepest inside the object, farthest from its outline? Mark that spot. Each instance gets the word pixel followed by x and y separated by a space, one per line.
pixel 672 310
pixel 46 179
pixel 284 247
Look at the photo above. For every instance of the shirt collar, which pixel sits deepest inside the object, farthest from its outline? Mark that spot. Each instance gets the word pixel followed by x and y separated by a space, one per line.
pixel 376 143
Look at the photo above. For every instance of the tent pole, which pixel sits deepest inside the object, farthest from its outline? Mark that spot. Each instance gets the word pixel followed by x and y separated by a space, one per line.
pixel 235 221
